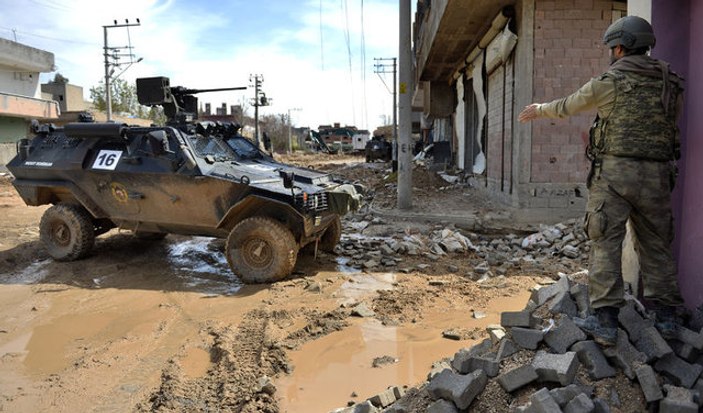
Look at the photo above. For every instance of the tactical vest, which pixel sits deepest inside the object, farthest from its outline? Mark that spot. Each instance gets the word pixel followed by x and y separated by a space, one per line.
pixel 638 126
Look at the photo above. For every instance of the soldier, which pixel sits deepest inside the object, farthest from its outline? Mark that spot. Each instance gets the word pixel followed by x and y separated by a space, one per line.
pixel 633 146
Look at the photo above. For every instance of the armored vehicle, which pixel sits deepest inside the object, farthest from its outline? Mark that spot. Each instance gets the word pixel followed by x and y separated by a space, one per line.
pixel 188 177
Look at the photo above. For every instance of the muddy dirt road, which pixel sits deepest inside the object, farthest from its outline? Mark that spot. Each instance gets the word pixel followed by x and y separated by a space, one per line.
pixel 165 326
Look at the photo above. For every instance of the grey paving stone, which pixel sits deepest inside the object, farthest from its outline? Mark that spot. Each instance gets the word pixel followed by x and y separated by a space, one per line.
pixel 459 388
pixel 542 295
pixel 397 408
pixel 560 368
pixel 383 399
pixel 398 391
pixel 465 363
pixel 624 355
pixel 365 407
pixel 684 350
pixel 561 337
pixel 442 406
pixel 438 367
pixel 632 321
pixel 579 292
pixel 563 395
pixel 526 338
pixel 506 349
pixel 678 400
pixel 690 337
pixel 580 404
pixel 600 406
pixel 461 360
pixel 680 372
pixel 648 382
pixel 516 378
pixel 518 319
pixel 651 343
pixel 591 356
pixel 542 402
pixel 563 304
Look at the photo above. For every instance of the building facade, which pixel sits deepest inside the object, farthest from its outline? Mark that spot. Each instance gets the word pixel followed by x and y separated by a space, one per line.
pixel 679 41
pixel 479 63
pixel 20 93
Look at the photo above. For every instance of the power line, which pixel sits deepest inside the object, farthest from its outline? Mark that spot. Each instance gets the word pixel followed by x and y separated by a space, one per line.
pixel 47 37
pixel 349 57
pixel 322 49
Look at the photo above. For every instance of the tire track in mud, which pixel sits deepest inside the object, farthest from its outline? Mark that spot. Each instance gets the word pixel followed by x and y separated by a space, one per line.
pixel 127 392
pixel 245 359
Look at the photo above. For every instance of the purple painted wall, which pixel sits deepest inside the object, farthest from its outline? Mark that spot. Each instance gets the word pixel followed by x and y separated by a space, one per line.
pixel 680 42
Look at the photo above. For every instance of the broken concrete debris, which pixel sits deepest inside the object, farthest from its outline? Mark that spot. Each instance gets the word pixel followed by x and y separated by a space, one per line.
pixel 547 364
pixel 371 253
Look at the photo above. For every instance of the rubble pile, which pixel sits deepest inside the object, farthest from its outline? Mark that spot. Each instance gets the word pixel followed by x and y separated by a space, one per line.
pixel 496 254
pixel 538 361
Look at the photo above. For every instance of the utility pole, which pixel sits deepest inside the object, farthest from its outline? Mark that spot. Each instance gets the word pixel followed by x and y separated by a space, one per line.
pixel 114 54
pixel 260 99
pixel 405 166
pixel 290 132
pixel 381 67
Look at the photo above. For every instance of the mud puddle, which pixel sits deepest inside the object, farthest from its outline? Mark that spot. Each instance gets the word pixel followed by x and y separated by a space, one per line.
pixel 338 368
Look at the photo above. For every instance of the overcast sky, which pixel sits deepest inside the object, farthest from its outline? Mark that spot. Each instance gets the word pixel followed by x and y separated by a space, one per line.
pixel 314 55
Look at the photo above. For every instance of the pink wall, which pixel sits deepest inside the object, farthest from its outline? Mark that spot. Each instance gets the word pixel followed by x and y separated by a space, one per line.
pixel 679 42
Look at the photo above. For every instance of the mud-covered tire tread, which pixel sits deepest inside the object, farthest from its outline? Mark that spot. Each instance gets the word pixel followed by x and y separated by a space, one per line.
pixel 331 237
pixel 81 230
pixel 279 238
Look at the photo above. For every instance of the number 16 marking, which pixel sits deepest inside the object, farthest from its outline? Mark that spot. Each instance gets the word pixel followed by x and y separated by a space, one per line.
pixel 107 160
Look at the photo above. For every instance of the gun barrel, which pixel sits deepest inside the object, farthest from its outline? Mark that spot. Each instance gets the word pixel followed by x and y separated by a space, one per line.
pixel 194 91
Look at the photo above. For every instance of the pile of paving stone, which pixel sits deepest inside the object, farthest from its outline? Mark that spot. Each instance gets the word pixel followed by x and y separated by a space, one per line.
pixel 535 355
pixel 497 253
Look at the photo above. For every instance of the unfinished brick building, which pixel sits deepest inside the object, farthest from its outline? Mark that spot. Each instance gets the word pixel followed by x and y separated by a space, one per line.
pixel 480 62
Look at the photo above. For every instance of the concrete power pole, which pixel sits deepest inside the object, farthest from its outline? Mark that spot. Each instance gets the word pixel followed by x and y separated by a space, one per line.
pixel 381 67
pixel 260 99
pixel 405 164
pixel 112 57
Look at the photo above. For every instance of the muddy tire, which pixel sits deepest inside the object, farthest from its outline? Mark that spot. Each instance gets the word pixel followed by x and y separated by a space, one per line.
pixel 150 236
pixel 331 237
pixel 261 250
pixel 67 232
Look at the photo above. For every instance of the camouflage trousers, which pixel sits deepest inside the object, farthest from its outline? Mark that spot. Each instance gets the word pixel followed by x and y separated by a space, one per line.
pixel 639 190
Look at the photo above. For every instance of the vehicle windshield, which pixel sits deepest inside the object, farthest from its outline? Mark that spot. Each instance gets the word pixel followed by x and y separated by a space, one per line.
pixel 243 148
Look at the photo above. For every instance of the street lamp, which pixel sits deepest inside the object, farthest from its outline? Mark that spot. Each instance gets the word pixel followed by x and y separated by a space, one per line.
pixel 290 125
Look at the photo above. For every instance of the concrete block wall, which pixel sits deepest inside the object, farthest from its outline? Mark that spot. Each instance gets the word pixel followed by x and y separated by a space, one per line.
pixel 568 51
pixel 499 151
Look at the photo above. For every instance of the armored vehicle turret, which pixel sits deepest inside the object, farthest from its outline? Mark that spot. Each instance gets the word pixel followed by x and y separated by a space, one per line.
pixel 188 177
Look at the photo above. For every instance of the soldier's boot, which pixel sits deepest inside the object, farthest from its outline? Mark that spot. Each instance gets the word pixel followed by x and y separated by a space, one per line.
pixel 665 320
pixel 602 326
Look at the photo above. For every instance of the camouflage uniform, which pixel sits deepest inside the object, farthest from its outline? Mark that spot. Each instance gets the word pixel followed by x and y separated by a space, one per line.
pixel 633 144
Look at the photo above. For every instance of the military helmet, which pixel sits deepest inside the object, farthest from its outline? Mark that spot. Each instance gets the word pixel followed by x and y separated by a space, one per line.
pixel 632 32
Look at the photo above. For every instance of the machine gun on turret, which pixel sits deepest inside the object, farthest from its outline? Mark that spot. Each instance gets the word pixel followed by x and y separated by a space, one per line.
pixel 180 106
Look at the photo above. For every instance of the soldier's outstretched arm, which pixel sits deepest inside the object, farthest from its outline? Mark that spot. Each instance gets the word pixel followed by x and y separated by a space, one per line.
pixel 530 113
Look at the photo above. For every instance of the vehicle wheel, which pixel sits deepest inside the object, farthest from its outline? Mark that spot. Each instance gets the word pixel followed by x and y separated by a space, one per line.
pixel 331 237
pixel 150 236
pixel 261 250
pixel 368 158
pixel 67 232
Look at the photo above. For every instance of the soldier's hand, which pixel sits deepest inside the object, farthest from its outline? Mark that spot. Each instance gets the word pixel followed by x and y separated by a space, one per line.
pixel 529 113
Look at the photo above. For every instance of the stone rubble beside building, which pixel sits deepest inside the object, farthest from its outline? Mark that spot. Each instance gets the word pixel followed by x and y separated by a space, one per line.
pixel 497 254
pixel 539 361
